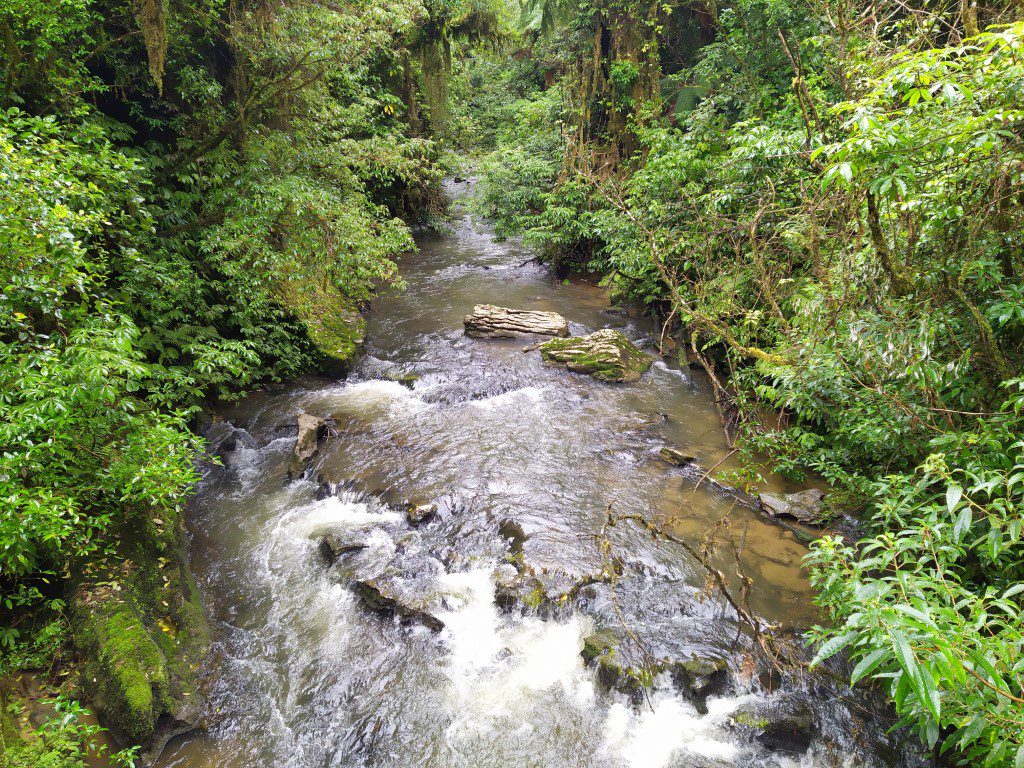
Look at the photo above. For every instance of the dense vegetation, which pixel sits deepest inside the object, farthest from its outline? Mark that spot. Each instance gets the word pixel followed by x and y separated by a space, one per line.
pixel 198 196
pixel 824 202
pixel 821 200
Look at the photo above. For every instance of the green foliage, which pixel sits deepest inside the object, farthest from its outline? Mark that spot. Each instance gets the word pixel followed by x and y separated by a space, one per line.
pixel 68 740
pixel 837 221
pixel 79 442
pixel 932 604
pixel 198 199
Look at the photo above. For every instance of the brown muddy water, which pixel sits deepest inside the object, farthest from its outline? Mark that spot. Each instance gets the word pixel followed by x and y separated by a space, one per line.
pixel 305 677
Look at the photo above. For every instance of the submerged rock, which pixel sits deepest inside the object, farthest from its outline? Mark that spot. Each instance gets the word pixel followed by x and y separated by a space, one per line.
pixel 804 507
pixel 224 437
pixel 676 456
pixel 384 598
pixel 418 513
pixel 513 534
pixel 405 378
pixel 784 725
pixel 334 547
pixel 701 677
pixel 490 322
pixel 606 355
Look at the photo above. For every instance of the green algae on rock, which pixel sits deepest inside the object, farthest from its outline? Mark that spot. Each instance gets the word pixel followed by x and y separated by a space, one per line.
pixel 333 327
pixel 140 632
pixel 606 355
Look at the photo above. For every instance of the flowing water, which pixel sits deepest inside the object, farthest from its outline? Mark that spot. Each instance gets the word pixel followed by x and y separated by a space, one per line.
pixel 523 462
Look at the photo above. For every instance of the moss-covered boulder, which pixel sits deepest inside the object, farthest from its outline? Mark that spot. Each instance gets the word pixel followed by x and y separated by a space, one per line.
pixel 335 329
pixel 127 667
pixel 601 650
pixel 141 636
pixel 700 677
pixel 783 724
pixel 606 355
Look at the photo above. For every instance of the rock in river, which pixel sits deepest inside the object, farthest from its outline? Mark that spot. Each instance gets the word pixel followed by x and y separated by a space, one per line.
pixel 696 677
pixel 383 597
pixel 334 547
pixel 804 507
pixel 701 676
pixel 676 456
pixel 785 724
pixel 418 513
pixel 606 355
pixel 490 322
pixel 312 429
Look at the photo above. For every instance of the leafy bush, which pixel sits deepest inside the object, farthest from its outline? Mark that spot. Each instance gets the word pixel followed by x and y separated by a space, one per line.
pixel 67 740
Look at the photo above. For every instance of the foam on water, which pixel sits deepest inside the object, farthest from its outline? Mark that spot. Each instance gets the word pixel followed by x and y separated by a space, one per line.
pixel 375 399
pixel 501 665
pixel 471 627
pixel 650 737
pixel 333 514
pixel 660 366
pixel 516 397
pixel 248 465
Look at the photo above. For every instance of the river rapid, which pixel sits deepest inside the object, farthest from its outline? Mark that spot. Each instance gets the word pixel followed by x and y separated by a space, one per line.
pixel 523 462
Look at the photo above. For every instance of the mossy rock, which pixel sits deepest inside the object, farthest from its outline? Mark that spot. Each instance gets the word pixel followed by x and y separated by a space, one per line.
pixel 785 725
pixel 601 650
pixel 127 670
pixel 335 329
pixel 606 355
pixel 700 677
pixel 384 598
pixel 405 378
pixel 141 634
pixel 601 642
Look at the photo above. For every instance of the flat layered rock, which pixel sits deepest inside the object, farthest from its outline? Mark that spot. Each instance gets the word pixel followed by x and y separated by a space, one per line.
pixel 490 322
pixel 606 355
pixel 676 456
pixel 384 597
pixel 805 507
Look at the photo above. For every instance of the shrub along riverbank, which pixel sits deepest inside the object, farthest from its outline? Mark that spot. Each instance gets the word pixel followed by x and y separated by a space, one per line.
pixel 823 202
pixel 198 197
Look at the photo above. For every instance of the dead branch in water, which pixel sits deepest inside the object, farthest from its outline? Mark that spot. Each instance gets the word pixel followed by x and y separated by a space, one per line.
pixel 779 653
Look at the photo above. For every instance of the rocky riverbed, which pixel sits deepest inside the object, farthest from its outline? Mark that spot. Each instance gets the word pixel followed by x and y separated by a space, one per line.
pixel 422 565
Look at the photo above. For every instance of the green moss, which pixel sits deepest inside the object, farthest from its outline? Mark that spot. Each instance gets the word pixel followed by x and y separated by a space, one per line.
pixel 534 598
pixel 140 630
pixel 126 666
pixel 598 644
pixel 333 326
pixel 750 721
pixel 606 355
pixel 9 734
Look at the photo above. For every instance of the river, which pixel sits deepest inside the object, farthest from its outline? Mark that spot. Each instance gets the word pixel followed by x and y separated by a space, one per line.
pixel 523 462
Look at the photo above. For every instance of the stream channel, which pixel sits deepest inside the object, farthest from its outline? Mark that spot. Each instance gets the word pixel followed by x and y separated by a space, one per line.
pixel 523 462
